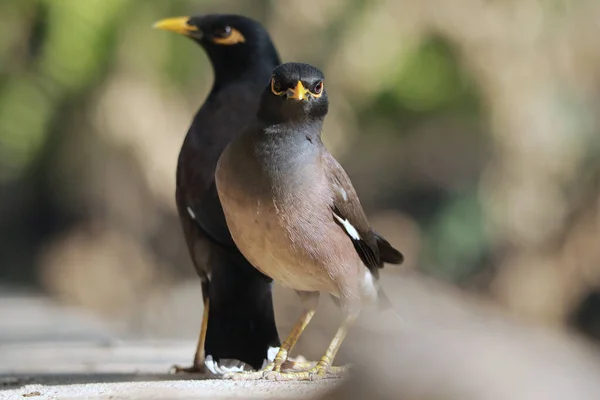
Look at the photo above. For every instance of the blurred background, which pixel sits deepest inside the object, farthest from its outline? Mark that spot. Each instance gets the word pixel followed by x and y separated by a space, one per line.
pixel 469 129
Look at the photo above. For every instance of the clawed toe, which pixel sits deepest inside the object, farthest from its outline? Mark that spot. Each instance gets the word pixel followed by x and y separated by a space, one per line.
pixel 245 376
pixel 293 366
pixel 249 375
pixel 313 374
pixel 316 372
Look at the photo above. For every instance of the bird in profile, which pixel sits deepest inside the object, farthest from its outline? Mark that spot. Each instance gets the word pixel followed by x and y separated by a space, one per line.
pixel 294 214
pixel 238 324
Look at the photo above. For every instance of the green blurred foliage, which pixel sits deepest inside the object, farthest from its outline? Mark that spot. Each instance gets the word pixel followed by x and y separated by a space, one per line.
pixel 431 78
pixel 456 241
pixel 57 55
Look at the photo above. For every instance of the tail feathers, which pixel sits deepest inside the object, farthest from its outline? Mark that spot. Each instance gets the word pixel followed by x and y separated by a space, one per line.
pixel 243 330
pixel 241 320
pixel 387 253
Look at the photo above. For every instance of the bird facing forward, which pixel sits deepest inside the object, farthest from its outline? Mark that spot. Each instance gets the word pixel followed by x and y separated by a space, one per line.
pixel 238 321
pixel 294 214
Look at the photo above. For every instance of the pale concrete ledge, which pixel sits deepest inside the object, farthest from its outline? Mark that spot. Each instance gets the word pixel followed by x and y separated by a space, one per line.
pixel 437 344
pixel 52 352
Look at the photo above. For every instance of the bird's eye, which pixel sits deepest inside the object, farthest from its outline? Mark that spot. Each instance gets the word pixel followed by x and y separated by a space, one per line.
pixel 227 36
pixel 223 32
pixel 276 86
pixel 318 88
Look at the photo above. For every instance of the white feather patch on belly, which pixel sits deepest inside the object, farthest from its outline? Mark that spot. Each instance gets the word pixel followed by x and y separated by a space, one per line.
pixel 369 287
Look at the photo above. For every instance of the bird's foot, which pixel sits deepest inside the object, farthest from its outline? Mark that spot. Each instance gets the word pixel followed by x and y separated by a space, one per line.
pixel 290 371
pixel 251 375
pixel 290 365
pixel 298 363
pixel 317 372
pixel 194 369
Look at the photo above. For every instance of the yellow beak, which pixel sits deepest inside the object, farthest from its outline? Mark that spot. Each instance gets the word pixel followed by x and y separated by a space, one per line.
pixel 298 93
pixel 178 25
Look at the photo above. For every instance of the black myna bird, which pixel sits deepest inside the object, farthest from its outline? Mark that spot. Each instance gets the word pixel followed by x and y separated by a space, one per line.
pixel 293 212
pixel 238 321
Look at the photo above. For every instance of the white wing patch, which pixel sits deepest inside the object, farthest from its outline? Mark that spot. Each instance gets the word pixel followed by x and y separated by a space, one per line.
pixel 342 191
pixel 189 210
pixel 352 232
pixel 344 194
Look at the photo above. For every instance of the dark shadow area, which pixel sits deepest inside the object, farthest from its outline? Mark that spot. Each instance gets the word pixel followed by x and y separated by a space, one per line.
pixel 15 381
pixel 586 317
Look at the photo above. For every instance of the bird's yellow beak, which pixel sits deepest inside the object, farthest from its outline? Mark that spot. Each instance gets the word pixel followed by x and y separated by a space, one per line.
pixel 298 93
pixel 178 25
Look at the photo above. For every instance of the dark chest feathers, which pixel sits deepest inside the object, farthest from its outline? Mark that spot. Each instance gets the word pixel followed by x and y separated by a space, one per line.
pixel 291 167
pixel 289 171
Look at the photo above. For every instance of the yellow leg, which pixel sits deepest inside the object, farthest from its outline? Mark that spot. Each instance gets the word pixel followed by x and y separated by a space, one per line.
pixel 282 354
pixel 320 370
pixel 198 365
pixel 292 339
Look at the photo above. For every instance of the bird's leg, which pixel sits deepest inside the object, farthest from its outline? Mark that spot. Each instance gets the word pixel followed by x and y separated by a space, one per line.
pixel 310 300
pixel 198 365
pixel 282 354
pixel 324 366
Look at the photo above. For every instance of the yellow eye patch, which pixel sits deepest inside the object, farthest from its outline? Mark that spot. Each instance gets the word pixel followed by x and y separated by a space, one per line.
pixel 274 87
pixel 234 37
pixel 299 92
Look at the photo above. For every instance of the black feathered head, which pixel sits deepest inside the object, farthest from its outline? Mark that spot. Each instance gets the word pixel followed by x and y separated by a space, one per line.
pixel 296 91
pixel 232 42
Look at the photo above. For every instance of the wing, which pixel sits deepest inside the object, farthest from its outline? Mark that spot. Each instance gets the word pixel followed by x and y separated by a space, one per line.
pixel 208 214
pixel 372 248
pixel 198 198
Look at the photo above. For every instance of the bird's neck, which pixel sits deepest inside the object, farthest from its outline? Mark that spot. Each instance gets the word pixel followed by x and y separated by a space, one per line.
pixel 228 73
pixel 306 131
pixel 247 67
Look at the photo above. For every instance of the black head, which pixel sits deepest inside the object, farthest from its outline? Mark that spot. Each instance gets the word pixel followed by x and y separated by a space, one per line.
pixel 296 92
pixel 233 42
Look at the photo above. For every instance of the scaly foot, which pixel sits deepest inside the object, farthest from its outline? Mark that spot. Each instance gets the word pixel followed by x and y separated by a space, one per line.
pixel 302 364
pixel 315 373
pixel 300 371
pixel 250 375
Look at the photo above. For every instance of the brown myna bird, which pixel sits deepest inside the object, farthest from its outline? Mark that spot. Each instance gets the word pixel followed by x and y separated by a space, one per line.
pixel 294 214
pixel 238 322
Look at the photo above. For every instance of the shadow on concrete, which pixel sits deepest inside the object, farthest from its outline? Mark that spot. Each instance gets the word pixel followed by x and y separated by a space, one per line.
pixel 15 381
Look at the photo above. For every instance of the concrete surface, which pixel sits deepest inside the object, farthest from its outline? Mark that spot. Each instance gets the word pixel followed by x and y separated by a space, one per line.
pixel 165 389
pixel 48 351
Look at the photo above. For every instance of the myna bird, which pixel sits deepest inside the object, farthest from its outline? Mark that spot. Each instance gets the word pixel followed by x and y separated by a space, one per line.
pixel 238 321
pixel 294 214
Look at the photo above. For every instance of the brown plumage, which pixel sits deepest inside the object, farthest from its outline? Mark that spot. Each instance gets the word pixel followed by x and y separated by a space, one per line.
pixel 293 212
